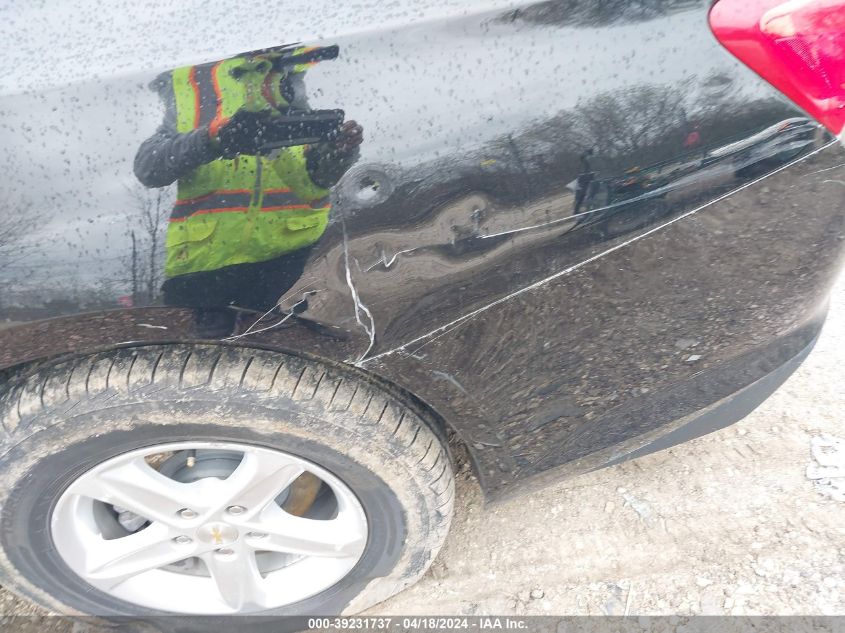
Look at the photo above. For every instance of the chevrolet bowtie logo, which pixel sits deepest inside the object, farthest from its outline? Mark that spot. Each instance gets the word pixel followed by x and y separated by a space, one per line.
pixel 217 534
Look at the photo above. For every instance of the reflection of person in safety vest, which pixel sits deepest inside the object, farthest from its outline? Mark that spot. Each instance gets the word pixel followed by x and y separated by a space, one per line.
pixel 254 167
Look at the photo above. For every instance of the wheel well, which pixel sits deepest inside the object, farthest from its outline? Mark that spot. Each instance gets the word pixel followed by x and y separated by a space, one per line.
pixel 451 439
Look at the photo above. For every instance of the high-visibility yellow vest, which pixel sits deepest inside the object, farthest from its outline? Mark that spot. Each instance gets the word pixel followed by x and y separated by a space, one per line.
pixel 248 209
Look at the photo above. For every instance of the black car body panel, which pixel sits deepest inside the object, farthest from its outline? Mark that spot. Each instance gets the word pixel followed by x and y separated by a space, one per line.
pixel 574 226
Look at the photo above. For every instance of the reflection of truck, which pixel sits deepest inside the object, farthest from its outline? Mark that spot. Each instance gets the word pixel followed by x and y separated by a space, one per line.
pixel 637 197
pixel 776 144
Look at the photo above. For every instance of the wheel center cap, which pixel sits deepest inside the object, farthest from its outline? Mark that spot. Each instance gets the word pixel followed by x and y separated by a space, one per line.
pixel 217 534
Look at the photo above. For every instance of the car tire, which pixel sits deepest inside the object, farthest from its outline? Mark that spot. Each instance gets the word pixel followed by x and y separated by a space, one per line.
pixel 63 422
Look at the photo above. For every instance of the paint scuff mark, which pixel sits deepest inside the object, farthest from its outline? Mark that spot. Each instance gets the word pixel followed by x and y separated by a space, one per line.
pixel 433 335
pixel 285 318
pixel 450 379
pixel 657 193
pixel 387 263
pixel 819 171
pixel 360 308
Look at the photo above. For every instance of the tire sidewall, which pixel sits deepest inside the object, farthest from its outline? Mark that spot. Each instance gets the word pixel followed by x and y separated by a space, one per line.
pixel 35 472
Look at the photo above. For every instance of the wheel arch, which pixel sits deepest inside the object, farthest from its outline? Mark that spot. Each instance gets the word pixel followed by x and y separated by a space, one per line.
pixel 447 432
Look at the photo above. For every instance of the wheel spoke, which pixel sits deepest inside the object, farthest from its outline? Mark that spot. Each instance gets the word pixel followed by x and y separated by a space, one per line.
pixel 284 532
pixel 258 479
pixel 110 562
pixel 218 506
pixel 137 487
pixel 237 578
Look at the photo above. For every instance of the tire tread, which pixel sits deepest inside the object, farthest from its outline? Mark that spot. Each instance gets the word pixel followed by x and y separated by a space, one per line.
pixel 336 393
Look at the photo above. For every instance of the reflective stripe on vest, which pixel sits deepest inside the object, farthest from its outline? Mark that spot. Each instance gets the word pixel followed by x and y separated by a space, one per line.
pixel 248 209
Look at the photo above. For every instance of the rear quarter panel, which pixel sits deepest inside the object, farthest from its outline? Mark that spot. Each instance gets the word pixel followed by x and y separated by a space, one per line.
pixel 589 220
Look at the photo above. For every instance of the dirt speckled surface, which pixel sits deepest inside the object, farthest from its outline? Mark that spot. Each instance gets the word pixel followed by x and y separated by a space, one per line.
pixel 725 524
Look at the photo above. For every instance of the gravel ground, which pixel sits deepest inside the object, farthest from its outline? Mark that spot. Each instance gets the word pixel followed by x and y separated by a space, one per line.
pixel 729 523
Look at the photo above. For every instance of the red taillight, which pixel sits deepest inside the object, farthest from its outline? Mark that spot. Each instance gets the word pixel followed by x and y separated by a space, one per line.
pixel 796 45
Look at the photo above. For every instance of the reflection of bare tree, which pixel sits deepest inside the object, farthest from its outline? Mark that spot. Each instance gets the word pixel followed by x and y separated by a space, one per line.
pixel 596 13
pixel 633 121
pixel 146 225
pixel 16 224
pixel 625 128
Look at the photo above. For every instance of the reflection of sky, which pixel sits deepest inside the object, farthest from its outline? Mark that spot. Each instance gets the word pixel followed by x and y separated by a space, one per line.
pixel 437 91
pixel 427 90
pixel 54 43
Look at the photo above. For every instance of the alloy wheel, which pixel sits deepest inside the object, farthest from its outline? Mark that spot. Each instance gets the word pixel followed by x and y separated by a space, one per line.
pixel 209 528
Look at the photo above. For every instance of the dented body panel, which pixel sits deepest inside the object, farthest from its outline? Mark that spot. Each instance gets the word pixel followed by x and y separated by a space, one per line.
pixel 572 228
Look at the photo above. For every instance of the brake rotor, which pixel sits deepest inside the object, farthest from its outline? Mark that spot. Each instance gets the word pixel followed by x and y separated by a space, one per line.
pixel 190 466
